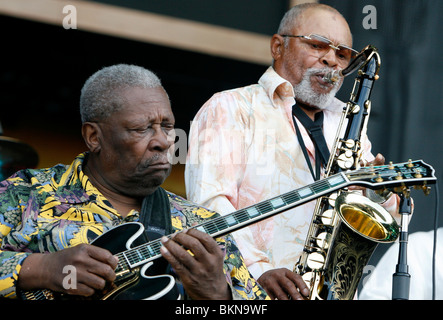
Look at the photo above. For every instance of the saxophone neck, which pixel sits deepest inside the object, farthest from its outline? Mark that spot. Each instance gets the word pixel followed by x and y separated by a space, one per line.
pixel 362 58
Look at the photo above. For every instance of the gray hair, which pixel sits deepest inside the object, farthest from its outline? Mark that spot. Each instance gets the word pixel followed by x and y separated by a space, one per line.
pixel 100 95
pixel 291 17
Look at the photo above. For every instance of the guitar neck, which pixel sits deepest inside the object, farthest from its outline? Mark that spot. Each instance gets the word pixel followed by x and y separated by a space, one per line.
pixel 239 219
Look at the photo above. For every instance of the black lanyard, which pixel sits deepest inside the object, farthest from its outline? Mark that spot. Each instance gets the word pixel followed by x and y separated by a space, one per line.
pixel 314 129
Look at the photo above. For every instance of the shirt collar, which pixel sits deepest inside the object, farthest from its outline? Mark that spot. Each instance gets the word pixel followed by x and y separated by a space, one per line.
pixel 76 186
pixel 276 87
pixel 90 190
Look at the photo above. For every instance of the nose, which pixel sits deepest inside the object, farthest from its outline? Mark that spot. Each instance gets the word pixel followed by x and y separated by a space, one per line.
pixel 162 140
pixel 330 58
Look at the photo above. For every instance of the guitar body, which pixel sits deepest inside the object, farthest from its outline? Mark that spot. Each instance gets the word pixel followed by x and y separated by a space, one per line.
pixel 145 282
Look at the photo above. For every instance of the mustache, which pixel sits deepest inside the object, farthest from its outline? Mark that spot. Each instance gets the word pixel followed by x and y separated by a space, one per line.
pixel 318 72
pixel 156 158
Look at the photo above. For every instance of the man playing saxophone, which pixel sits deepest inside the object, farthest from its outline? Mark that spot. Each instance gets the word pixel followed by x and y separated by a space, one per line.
pixel 253 143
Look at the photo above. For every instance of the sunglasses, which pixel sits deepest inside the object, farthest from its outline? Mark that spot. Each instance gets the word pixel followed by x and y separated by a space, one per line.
pixel 319 46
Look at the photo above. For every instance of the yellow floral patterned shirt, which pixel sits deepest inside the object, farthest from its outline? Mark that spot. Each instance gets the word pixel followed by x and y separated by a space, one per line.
pixel 46 210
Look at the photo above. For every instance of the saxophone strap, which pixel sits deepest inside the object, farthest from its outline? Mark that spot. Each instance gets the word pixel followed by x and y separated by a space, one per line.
pixel 315 131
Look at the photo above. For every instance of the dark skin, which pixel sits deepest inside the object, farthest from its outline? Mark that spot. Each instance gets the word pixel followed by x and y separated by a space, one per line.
pixel 291 62
pixel 128 160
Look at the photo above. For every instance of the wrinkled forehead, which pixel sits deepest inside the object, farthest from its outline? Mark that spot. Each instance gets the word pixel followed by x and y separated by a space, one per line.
pixel 143 104
pixel 326 23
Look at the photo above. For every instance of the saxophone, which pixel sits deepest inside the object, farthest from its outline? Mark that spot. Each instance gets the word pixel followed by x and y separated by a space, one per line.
pixel 346 226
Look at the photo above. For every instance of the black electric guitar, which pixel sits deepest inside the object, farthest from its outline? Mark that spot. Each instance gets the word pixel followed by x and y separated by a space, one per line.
pixel 136 275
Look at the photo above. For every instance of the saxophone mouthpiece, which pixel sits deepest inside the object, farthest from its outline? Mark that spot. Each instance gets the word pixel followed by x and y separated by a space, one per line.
pixel 333 76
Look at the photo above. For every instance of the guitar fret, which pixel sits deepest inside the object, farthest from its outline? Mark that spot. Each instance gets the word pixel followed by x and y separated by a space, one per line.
pixel 265 207
pixel 208 227
pixel 335 180
pixel 220 224
pixel 290 197
pixel 230 220
pixel 126 257
pixel 305 192
pixel 242 216
pixel 277 203
pixel 252 212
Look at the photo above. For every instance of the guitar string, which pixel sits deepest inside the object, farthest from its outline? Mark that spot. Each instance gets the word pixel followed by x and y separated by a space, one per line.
pixel 151 249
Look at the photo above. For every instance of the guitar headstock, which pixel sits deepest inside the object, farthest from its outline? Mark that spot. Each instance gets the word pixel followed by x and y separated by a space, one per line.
pixel 395 177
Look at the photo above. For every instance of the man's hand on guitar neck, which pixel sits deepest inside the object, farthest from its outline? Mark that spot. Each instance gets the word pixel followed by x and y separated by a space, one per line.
pixel 94 268
pixel 200 272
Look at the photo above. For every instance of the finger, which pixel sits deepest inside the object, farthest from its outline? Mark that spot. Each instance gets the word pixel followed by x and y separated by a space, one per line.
pixel 202 244
pixel 191 240
pixel 103 255
pixel 175 254
pixel 81 290
pixel 277 292
pixel 379 160
pixel 300 284
pixel 91 281
pixel 101 263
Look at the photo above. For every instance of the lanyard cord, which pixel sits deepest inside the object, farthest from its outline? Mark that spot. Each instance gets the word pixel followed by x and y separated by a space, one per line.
pixel 314 129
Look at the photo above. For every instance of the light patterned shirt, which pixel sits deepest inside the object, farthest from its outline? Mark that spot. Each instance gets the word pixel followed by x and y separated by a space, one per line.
pixel 46 210
pixel 243 149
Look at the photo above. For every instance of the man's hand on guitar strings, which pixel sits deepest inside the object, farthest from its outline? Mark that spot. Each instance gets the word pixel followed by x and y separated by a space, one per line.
pixel 198 261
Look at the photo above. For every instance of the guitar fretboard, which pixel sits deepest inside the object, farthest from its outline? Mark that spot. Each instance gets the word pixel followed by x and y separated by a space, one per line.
pixel 228 223
pixel 408 173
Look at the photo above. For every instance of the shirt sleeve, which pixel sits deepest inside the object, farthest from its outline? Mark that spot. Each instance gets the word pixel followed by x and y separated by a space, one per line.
pixel 10 258
pixel 243 285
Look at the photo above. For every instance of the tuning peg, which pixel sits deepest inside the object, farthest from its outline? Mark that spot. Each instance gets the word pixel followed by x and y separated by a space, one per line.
pixel 379 178
pixel 391 165
pixel 417 174
pixel 399 189
pixel 426 189
pixel 399 176
pixel 409 165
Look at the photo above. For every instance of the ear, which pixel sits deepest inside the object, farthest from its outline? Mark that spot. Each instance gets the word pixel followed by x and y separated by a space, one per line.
pixel 91 134
pixel 277 46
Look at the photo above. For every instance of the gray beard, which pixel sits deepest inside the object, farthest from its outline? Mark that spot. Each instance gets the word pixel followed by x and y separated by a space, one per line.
pixel 304 92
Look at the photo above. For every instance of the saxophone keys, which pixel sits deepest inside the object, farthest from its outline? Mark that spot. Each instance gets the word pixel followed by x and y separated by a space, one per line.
pixel 315 261
pixel 345 162
pixel 323 240
pixel 307 278
pixel 350 143
pixel 327 217
pixel 331 200
pixel 356 109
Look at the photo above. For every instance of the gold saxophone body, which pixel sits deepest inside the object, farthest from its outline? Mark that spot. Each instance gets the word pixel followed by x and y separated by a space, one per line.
pixel 346 226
